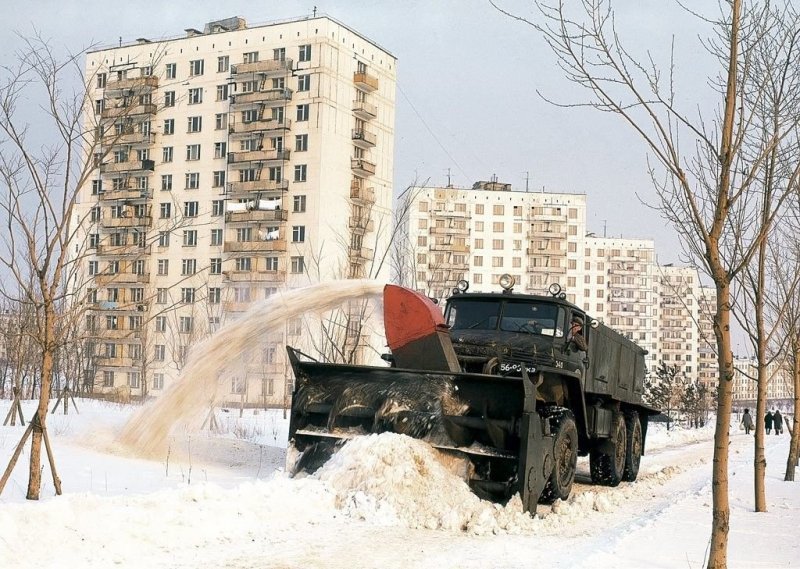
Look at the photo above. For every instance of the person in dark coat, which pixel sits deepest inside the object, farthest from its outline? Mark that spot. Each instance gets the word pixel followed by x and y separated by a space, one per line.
pixel 768 421
pixel 747 421
pixel 778 422
pixel 575 334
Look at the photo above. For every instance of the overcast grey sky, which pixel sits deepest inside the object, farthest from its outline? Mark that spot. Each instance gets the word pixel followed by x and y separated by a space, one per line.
pixel 467 83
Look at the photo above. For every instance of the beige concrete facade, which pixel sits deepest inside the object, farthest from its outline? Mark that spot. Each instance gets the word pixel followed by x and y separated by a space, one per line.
pixel 235 161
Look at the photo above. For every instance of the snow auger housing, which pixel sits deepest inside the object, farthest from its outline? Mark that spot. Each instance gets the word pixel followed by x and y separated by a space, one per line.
pixel 499 380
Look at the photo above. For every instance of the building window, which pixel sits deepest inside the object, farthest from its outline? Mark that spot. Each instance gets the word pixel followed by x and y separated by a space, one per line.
pixel 187 295
pixel 217 207
pixel 301 142
pixel 185 324
pixel 271 263
pixel 305 53
pixel 193 152
pixel 215 266
pixel 163 238
pixel 223 63
pixel 102 79
pixel 158 381
pixel 166 154
pixel 159 352
pixel 97 187
pixel 300 172
pixel 190 238
pixel 188 267
pixel 222 92
pixel 221 121
pixel 243 264
pixel 298 233
pixel 298 264
pixel 214 295
pixel 302 113
pixel 194 124
pixel 94 267
pixel 169 99
pixel 216 237
pixel 196 67
pixel 299 204
pixel 108 378
pixel 166 182
pixel 172 70
pixel 218 179
pixel 294 327
pixel 163 267
pixel 220 149
pixel 192 181
pixel 279 54
pixel 304 83
pixel 166 210
pixel 169 126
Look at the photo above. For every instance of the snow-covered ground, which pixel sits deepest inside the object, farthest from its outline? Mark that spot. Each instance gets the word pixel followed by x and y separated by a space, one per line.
pixel 222 500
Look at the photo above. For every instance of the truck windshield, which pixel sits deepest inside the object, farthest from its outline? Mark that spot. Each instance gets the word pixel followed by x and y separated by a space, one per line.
pixel 529 317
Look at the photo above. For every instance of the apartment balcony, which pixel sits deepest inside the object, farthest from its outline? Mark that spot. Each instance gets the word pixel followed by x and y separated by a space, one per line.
pixel 118 334
pixel 264 246
pixel 126 193
pixel 104 279
pixel 131 84
pixel 266 67
pixel 545 234
pixel 365 82
pixel 539 269
pixel 262 125
pixel 104 361
pixel 258 186
pixel 459 231
pixel 258 156
pixel 236 306
pixel 267 98
pixel 365 196
pixel 360 254
pixel 364 110
pixel 111 112
pixel 128 166
pixel 254 276
pixel 117 307
pixel 118 222
pixel 451 247
pixel 128 139
pixel 362 167
pixel 254 215
pixel 361 223
pixel 363 138
pixel 105 250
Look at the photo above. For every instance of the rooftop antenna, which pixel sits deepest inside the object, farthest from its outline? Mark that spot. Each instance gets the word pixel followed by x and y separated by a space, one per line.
pixel 120 41
pixel 527 180
pixel 315 11
pixel 449 184
pixel 605 221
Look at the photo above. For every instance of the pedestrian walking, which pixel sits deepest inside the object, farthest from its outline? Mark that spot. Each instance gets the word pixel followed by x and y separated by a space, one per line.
pixel 768 421
pixel 747 421
pixel 777 422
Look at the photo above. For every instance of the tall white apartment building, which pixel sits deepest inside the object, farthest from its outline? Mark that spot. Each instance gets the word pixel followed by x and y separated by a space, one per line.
pixel 708 364
pixel 480 233
pixel 233 161
pixel 678 319
pixel 619 288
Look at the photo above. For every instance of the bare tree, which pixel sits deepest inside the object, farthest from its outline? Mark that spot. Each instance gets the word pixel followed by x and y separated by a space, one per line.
pixel 709 194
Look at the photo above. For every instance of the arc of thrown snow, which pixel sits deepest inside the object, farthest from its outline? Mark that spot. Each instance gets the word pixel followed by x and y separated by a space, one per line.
pixel 147 431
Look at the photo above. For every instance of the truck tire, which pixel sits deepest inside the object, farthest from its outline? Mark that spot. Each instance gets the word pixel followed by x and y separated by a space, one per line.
pixel 565 458
pixel 607 460
pixel 633 450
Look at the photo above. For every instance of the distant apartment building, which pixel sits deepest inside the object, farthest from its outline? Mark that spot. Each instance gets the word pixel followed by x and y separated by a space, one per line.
pixel 780 388
pixel 234 161
pixel 480 233
pixel 619 282
pixel 708 365
pixel 678 290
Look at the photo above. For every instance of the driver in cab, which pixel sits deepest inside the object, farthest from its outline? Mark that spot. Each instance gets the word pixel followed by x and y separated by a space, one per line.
pixel 575 336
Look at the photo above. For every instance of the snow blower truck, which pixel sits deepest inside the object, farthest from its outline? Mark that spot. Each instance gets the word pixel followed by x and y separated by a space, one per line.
pixel 500 379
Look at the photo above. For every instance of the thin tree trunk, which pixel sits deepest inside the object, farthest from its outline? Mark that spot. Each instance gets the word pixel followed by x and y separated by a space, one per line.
pixel 794 430
pixel 35 473
pixel 759 456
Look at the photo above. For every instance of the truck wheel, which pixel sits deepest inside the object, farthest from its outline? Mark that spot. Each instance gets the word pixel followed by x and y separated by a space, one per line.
pixel 607 461
pixel 565 459
pixel 633 451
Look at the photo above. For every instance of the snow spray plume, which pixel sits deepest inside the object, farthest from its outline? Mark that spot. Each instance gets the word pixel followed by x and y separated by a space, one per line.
pixel 187 399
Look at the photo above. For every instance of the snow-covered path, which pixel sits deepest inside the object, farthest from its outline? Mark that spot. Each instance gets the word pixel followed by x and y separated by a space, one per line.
pixel 225 504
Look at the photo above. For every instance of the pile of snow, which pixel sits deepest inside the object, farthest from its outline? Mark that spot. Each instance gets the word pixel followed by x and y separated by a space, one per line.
pixel 393 479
